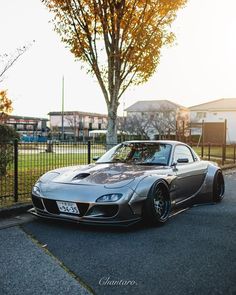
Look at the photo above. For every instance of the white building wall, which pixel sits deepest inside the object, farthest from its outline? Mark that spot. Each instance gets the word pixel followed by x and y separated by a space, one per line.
pixel 217 116
pixel 55 121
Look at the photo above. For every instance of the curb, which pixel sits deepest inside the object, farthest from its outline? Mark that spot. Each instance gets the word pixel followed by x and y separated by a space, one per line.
pixel 228 166
pixel 15 209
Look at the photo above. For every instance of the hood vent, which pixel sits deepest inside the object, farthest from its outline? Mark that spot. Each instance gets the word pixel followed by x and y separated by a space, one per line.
pixel 81 176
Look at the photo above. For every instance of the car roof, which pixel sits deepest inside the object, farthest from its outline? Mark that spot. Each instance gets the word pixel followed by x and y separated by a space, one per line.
pixel 172 142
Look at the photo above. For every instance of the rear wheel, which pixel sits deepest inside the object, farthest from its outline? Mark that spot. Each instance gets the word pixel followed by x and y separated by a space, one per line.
pixel 218 187
pixel 157 207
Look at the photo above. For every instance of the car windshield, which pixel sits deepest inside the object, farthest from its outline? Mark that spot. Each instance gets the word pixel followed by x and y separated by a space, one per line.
pixel 141 153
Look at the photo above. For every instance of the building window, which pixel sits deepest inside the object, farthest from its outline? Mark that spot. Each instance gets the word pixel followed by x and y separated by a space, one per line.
pixel 29 127
pixel 201 115
pixel 20 126
pixel 90 126
pixel 81 125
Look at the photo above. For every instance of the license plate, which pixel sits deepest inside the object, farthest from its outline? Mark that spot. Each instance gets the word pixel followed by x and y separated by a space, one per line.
pixel 67 207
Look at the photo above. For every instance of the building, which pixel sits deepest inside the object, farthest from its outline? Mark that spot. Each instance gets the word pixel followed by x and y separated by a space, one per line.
pixel 28 126
pixel 213 113
pixel 159 117
pixel 76 124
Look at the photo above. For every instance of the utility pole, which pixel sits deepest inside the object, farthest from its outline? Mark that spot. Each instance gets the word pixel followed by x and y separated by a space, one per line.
pixel 62 111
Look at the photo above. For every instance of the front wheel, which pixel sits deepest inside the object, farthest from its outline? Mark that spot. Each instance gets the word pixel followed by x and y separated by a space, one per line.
pixel 156 209
pixel 218 187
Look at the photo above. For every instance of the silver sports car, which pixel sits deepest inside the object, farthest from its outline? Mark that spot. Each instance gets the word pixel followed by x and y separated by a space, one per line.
pixel 134 180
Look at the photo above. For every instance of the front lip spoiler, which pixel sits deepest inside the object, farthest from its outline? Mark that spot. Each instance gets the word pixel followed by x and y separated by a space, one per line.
pixel 123 223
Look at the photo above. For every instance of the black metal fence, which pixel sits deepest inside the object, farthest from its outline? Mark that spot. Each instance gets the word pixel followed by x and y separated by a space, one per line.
pixel 222 154
pixel 21 164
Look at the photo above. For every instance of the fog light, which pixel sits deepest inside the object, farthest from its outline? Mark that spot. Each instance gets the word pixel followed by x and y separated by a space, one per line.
pixel 109 198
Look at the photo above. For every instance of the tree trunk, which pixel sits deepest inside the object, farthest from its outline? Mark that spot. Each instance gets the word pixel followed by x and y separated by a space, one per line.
pixel 111 137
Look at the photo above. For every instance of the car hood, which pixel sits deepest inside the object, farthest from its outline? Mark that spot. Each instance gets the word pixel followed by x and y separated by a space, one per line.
pixel 109 175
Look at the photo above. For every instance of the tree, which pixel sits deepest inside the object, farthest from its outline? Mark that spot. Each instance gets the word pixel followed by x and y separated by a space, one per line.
pixel 7 60
pixel 7 134
pixel 164 121
pixel 183 129
pixel 119 40
pixel 74 121
pixel 135 125
pixel 5 106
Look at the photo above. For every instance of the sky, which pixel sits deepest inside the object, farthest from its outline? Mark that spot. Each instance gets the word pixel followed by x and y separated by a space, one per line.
pixel 199 67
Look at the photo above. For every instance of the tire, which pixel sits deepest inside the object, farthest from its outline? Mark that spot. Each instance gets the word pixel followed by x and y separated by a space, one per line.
pixel 157 207
pixel 218 187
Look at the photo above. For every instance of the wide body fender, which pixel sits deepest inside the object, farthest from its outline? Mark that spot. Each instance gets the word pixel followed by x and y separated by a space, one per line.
pixel 143 187
pixel 206 191
pixel 204 194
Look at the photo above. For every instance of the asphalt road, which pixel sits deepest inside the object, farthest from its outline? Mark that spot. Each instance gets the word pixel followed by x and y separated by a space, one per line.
pixel 193 253
pixel 26 269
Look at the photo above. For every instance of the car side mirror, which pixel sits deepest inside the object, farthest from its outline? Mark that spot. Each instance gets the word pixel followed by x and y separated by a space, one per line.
pixel 182 160
pixel 96 158
pixel 173 166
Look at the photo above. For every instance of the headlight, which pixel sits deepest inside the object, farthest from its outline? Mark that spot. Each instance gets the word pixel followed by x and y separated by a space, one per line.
pixel 48 176
pixel 36 191
pixel 109 198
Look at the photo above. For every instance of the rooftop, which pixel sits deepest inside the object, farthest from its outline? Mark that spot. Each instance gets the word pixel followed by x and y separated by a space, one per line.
pixel 68 113
pixel 153 105
pixel 26 118
pixel 223 104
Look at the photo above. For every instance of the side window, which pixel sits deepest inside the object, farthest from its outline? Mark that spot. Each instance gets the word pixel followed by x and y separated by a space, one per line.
pixel 182 151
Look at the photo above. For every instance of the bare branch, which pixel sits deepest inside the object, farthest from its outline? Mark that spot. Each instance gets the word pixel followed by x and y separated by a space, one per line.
pixel 9 60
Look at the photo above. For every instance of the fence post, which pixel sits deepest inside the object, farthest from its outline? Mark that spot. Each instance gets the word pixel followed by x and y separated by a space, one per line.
pixel 225 148
pixel 209 151
pixel 234 152
pixel 15 170
pixel 202 137
pixel 223 154
pixel 89 151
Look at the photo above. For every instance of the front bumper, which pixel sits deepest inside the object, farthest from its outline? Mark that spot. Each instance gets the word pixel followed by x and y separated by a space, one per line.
pixel 90 213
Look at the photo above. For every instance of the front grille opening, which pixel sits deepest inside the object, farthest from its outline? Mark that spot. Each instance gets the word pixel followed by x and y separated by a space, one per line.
pixel 37 202
pixel 83 207
pixel 103 210
pixel 51 206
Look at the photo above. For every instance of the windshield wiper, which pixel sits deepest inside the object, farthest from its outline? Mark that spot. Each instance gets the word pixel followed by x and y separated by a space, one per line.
pixel 110 162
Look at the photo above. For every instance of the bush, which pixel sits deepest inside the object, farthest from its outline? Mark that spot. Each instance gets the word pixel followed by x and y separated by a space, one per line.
pixel 7 135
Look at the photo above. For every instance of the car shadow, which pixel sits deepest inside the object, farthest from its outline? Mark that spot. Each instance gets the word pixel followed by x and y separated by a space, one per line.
pixel 138 226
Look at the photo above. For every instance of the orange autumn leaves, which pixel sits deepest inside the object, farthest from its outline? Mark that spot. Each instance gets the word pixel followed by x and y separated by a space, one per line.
pixel 5 106
pixel 119 39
